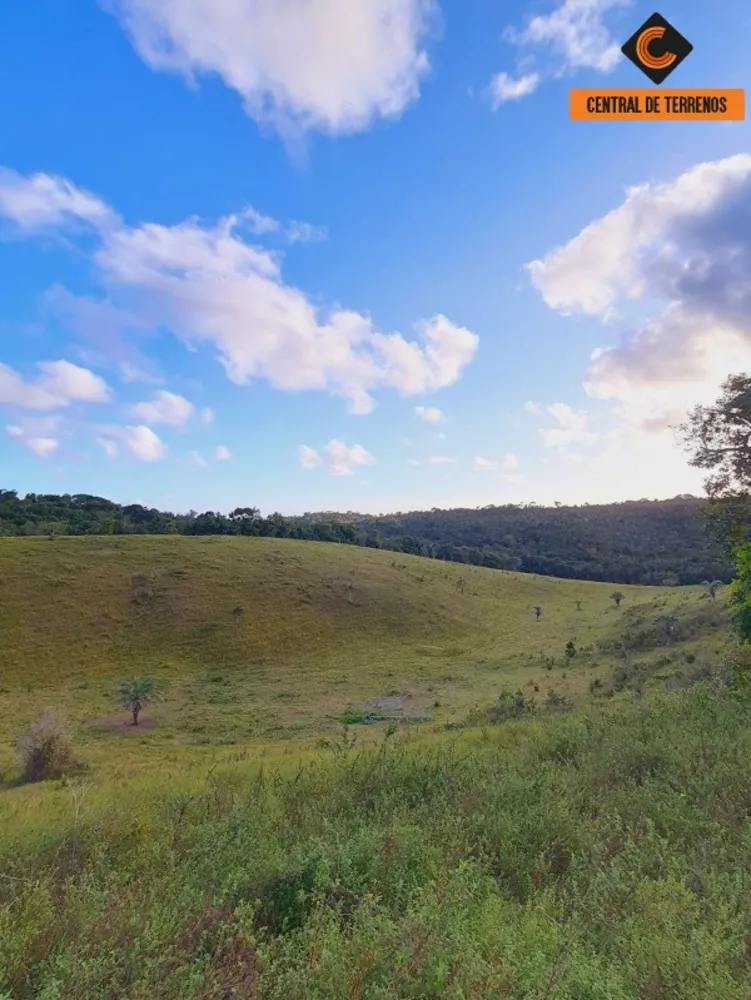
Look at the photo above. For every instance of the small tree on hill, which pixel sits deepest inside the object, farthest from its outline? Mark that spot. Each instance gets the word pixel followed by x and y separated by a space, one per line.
pixel 570 649
pixel 712 586
pixel 135 693
pixel 617 596
pixel 538 611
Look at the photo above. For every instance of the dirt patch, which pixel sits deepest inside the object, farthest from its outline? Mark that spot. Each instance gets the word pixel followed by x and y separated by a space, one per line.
pixel 391 703
pixel 122 725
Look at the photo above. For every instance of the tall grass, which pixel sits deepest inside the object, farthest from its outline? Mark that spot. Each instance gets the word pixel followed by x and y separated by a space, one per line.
pixel 604 855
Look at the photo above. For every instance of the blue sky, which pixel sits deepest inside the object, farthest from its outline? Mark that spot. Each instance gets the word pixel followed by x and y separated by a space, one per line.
pixel 284 255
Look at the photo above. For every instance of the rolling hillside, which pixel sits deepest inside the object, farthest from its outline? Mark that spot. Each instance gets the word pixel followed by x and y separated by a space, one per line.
pixel 220 851
pixel 265 640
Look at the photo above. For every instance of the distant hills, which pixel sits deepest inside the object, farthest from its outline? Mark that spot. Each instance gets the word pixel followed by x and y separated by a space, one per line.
pixel 655 542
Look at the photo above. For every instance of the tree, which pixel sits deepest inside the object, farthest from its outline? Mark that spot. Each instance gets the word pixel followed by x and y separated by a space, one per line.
pixel 718 438
pixel 578 605
pixel 570 649
pixel 712 587
pixel 538 611
pixel 740 593
pixel 135 693
pixel 666 625
pixel 617 596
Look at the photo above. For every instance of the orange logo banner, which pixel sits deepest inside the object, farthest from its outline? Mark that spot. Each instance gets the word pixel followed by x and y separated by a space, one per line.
pixel 714 105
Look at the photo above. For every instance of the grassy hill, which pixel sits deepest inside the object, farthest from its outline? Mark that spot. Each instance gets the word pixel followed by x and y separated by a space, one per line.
pixel 218 853
pixel 270 640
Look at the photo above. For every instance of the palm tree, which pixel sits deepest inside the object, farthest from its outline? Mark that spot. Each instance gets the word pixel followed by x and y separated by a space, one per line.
pixel 617 596
pixel 135 693
pixel 712 587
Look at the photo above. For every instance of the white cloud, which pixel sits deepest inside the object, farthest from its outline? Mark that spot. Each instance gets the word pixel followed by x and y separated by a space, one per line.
pixel 257 223
pixel 43 447
pixel 40 201
pixel 412 461
pixel 651 243
pixel 573 36
pixel 298 64
pixel 143 443
pixel 341 460
pixel 509 463
pixel 14 430
pixel 534 408
pixel 441 460
pixel 505 88
pixel 165 408
pixel 207 416
pixel 59 384
pixel 576 34
pixel 222 453
pixel 208 286
pixel 304 232
pixel 431 414
pixel 572 428
pixel 687 244
pixel 198 460
pixel 440 436
pixel 108 446
pixel 308 457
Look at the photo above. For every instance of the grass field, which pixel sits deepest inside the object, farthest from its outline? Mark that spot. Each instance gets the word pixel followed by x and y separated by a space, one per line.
pixel 265 643
pixel 240 844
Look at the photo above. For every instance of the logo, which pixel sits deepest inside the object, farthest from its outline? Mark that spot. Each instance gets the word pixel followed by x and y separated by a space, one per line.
pixel 657 48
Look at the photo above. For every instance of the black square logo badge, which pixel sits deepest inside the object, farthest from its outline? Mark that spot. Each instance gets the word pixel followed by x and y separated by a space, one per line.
pixel 657 48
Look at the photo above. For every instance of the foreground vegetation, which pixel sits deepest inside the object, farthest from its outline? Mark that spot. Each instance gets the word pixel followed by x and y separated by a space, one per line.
pixel 603 855
pixel 643 542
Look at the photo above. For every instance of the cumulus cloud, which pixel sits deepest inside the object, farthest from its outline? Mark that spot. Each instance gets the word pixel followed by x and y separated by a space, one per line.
pixel 571 37
pixel 165 408
pixel 298 65
pixel 308 457
pixel 209 286
pixel 59 384
pixel 536 409
pixel 41 201
pixel 207 416
pixel 509 463
pixel 575 33
pixel 505 88
pixel 43 447
pixel 441 460
pixel 572 429
pixel 38 434
pixel 143 443
pixel 686 244
pixel 341 460
pixel 222 453
pixel 431 414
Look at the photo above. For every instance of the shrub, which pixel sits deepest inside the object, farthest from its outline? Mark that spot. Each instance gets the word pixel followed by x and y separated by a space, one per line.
pixel 45 749
pixel 510 706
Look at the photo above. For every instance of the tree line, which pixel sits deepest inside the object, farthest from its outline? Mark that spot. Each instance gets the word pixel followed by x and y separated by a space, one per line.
pixel 640 542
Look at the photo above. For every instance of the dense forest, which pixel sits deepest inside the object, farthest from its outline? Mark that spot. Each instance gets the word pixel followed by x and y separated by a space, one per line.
pixel 644 541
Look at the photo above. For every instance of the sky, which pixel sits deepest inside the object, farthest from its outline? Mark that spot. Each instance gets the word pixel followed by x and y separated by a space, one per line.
pixel 353 255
